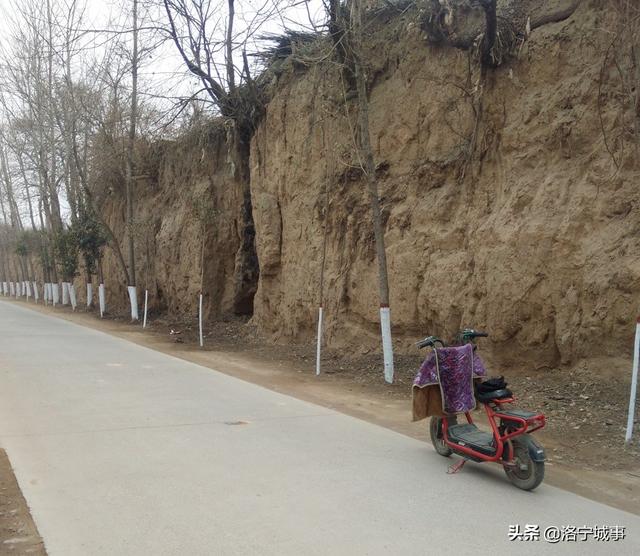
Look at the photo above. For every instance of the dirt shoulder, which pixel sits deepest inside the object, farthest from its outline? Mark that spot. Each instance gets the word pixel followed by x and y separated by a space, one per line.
pixel 583 439
pixel 18 533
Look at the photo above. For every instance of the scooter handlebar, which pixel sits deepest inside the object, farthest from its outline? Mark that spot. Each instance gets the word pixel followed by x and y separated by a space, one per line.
pixel 430 341
pixel 470 334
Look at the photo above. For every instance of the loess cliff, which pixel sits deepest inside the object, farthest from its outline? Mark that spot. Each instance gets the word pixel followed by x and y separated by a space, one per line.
pixel 503 206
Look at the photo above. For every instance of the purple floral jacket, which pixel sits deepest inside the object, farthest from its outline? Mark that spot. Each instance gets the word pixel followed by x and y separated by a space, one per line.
pixel 453 368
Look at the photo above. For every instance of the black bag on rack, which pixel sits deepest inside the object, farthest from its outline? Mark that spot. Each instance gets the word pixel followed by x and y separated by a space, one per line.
pixel 491 385
pixel 494 388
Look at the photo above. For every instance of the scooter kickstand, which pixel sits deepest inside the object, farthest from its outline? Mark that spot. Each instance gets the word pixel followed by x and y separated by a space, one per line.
pixel 456 467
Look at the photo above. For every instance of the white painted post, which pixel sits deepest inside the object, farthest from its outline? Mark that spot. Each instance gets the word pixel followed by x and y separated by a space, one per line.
pixel 35 292
pixel 102 298
pixel 387 346
pixel 200 321
pixel 27 286
pixel 89 294
pixel 146 300
pixel 45 293
pixel 65 293
pixel 12 289
pixel 133 299
pixel 72 296
pixel 319 344
pixel 17 290
pixel 55 293
pixel 5 288
pixel 634 384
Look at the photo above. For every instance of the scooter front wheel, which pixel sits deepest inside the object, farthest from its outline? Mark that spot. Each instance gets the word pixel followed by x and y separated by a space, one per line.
pixel 435 430
pixel 525 473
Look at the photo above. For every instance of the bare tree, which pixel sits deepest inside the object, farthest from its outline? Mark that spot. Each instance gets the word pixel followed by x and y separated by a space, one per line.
pixel 129 180
pixel 355 40
pixel 347 32
pixel 215 51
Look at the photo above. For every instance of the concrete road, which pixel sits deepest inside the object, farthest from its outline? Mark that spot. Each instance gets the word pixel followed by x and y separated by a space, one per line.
pixel 121 450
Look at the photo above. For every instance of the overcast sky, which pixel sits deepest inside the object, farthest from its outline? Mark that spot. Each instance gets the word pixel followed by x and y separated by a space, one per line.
pixel 163 76
pixel 163 73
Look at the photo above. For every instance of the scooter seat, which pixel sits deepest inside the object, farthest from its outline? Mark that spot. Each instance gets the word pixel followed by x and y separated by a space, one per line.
pixel 485 397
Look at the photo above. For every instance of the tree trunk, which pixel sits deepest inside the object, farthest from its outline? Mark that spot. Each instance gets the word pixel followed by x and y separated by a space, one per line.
pixel 368 165
pixel 130 165
pixel 131 146
pixel 16 221
pixel 26 189
pixel 3 266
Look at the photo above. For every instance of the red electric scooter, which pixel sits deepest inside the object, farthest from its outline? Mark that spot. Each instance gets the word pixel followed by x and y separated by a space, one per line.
pixel 509 443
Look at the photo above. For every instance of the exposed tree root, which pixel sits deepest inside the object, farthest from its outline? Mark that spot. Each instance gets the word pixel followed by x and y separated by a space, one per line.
pixel 497 28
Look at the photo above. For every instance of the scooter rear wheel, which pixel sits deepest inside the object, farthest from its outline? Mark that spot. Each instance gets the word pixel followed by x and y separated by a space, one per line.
pixel 526 474
pixel 435 430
